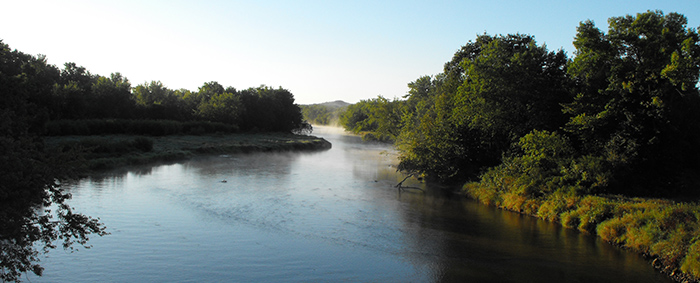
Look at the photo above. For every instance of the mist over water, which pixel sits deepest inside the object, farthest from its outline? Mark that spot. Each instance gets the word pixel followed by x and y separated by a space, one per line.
pixel 324 216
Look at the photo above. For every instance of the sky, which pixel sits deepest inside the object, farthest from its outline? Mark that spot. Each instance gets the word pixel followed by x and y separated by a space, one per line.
pixel 319 50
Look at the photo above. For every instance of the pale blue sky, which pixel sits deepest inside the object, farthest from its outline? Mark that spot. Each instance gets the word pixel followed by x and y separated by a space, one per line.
pixel 319 50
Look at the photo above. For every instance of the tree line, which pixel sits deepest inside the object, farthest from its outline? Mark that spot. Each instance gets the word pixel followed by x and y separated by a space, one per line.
pixel 73 93
pixel 622 116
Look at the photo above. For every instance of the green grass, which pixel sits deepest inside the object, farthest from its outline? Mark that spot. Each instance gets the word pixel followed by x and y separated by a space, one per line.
pixel 667 232
pixel 111 151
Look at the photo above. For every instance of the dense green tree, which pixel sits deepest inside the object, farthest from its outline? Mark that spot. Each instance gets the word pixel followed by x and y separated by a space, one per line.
pixel 78 74
pixel 514 86
pixel 210 89
pixel 430 142
pixel 70 101
pixel 156 101
pixel 379 116
pixel 189 101
pixel 637 97
pixel 355 117
pixel 277 106
pixel 420 99
pixel 224 107
pixel 493 91
pixel 269 109
pixel 73 92
pixel 152 93
pixel 112 97
pixel 29 175
pixel 42 76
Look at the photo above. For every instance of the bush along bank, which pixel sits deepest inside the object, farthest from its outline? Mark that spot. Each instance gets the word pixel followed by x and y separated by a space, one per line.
pixel 544 180
pixel 664 231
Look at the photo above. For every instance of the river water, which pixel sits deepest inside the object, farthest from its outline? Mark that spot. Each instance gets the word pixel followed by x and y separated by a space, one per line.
pixel 329 216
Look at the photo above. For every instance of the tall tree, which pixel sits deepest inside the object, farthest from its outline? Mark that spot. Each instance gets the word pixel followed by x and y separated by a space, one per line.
pixel 210 89
pixel 493 91
pixel 74 92
pixel 225 107
pixel 29 176
pixel 112 97
pixel 512 87
pixel 379 116
pixel 152 93
pixel 637 96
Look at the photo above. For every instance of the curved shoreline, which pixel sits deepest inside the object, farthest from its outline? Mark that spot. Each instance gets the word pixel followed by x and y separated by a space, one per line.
pixel 182 147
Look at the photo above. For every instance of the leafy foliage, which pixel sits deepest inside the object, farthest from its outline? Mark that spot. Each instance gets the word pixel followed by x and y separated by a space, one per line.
pixel 75 94
pixel 637 99
pixel 495 90
pixel 29 179
pixel 379 116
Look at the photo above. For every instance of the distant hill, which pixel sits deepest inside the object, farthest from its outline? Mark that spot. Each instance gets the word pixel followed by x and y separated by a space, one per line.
pixel 332 104
pixel 326 113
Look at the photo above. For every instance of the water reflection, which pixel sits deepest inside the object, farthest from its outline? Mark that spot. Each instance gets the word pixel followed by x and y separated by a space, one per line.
pixel 326 216
pixel 484 244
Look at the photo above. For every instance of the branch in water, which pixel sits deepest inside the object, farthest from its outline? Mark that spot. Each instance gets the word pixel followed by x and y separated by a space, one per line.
pixel 401 187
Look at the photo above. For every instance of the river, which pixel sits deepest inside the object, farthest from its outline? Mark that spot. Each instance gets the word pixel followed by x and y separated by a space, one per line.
pixel 329 216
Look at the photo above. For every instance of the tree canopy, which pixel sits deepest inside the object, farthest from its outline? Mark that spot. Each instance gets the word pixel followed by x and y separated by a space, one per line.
pixel 636 101
pixel 465 119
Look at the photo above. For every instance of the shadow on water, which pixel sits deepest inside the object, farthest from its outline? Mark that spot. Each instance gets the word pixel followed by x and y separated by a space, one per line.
pixel 465 240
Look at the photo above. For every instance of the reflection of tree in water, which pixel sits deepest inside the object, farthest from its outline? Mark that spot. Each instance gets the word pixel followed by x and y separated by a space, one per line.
pixel 460 240
pixel 29 175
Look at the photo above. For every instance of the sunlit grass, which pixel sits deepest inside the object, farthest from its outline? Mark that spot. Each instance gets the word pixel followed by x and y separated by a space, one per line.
pixel 666 231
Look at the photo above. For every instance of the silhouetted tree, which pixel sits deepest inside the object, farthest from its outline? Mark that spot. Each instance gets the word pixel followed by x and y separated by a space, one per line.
pixel 30 176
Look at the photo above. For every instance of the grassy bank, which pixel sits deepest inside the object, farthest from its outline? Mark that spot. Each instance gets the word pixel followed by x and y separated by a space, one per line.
pixel 111 151
pixel 666 232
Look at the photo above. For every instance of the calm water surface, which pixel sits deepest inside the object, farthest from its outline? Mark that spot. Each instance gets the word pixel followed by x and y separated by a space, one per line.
pixel 316 217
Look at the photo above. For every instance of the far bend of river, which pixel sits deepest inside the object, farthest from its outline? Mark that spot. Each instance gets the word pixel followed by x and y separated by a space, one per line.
pixel 329 216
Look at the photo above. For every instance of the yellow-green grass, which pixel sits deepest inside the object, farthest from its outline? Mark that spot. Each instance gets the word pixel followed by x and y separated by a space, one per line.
pixel 667 232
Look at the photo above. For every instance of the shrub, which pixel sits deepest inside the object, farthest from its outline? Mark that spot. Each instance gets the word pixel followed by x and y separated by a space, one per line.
pixel 641 238
pixel 691 262
pixel 513 201
pixel 531 206
pixel 612 230
pixel 570 219
pixel 481 193
pixel 555 204
pixel 673 246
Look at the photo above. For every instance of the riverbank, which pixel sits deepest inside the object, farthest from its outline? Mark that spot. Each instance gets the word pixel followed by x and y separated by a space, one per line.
pixel 112 151
pixel 664 231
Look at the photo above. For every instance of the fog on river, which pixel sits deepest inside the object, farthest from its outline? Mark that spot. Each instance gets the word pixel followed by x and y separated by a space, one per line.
pixel 324 216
